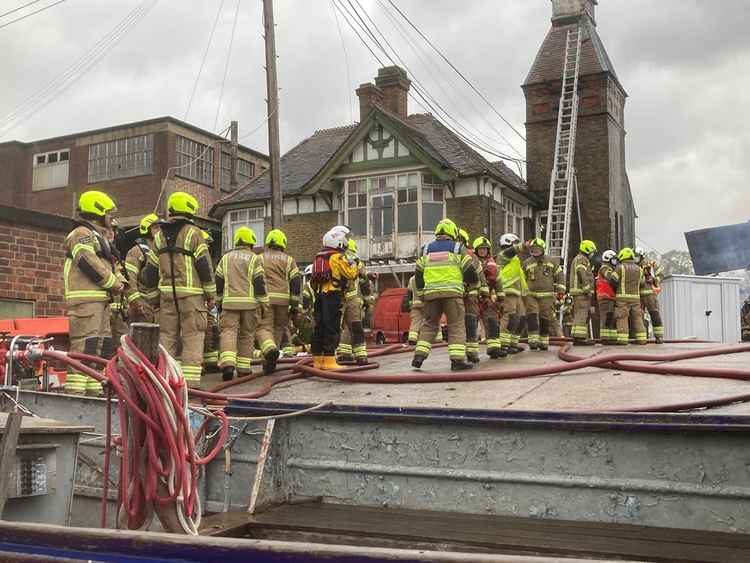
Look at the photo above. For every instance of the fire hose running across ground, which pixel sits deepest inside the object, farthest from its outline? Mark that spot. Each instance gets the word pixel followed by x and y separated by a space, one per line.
pixel 159 464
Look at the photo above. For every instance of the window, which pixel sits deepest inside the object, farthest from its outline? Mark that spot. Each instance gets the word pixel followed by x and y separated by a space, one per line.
pixel 195 161
pixel 381 206
pixel 16 309
pixel 432 202
pixel 245 171
pixel 408 195
pixel 121 158
pixel 253 218
pixel 356 197
pixel 50 170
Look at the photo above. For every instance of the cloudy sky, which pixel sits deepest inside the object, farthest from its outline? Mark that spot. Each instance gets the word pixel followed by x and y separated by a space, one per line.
pixel 684 63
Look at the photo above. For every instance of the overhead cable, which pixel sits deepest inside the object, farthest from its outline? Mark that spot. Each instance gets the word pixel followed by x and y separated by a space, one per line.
pixel 457 71
pixel 6 24
pixel 203 61
pixel 48 93
pixel 346 62
pixel 21 7
pixel 226 64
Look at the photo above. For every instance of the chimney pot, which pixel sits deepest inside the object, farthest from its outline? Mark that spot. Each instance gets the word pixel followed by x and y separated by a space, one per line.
pixel 394 83
pixel 369 96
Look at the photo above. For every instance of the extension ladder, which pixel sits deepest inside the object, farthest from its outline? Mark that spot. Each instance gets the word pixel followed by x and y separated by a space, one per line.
pixel 562 179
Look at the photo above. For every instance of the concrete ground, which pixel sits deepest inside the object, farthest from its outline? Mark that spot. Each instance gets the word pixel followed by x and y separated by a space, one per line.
pixel 585 389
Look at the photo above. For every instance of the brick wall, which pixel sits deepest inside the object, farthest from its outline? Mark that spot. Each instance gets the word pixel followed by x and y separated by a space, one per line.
pixel 601 187
pixel 31 261
pixel 470 213
pixel 305 232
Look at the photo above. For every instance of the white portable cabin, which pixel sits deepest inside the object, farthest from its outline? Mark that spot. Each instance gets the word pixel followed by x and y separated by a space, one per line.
pixel 701 307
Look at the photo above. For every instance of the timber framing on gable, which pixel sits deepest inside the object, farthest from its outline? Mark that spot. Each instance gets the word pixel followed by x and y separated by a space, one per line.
pixel 340 161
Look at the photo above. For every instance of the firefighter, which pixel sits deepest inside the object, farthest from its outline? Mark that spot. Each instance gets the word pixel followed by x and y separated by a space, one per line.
pixel 442 271
pixel 416 306
pixel 241 286
pixel 581 286
pixel 489 304
pixel 652 273
pixel 605 296
pixel 628 277
pixel 90 283
pixel 211 339
pixel 143 281
pixel 186 285
pixel 304 322
pixel 352 343
pixel 331 274
pixel 118 308
pixel 745 317
pixel 472 294
pixel 284 284
pixel 545 279
pixel 510 275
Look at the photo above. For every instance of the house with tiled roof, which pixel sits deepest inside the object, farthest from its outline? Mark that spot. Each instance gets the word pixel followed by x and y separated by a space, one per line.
pixel 606 202
pixel 391 178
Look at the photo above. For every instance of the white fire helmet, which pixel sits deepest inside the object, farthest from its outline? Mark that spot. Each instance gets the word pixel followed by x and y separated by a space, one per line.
pixel 335 238
pixel 509 239
pixel 608 255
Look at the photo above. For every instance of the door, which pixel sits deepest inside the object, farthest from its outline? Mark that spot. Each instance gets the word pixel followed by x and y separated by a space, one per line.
pixel 381 225
pixel 714 312
pixel 700 322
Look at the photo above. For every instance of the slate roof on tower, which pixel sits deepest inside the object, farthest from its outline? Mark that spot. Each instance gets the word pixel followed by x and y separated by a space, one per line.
pixel 548 64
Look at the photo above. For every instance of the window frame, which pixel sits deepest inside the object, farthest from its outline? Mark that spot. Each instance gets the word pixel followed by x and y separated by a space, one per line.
pixel 245 217
pixel 195 161
pixel 125 157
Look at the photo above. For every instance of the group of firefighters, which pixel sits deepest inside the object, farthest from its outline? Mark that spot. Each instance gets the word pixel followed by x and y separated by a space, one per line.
pixel 516 290
pixel 261 297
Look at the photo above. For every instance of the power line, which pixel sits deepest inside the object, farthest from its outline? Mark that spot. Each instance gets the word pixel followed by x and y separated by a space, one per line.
pixel 31 13
pixel 203 61
pixel 425 97
pixel 226 64
pixel 463 77
pixel 346 61
pixel 14 10
pixel 45 95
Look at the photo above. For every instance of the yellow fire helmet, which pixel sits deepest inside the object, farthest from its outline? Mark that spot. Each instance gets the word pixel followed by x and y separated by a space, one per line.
pixel 626 254
pixel 183 204
pixel 446 227
pixel 276 237
pixel 351 245
pixel 463 237
pixel 587 247
pixel 146 223
pixel 538 246
pixel 244 235
pixel 96 203
pixel 481 242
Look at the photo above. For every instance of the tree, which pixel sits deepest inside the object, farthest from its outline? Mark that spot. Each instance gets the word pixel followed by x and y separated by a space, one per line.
pixel 673 262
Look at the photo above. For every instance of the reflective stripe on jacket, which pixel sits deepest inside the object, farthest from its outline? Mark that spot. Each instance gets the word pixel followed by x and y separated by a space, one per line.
pixel 629 278
pixel 544 276
pixel 280 269
pixel 581 276
pixel 136 265
pixel 189 247
pixel 87 272
pixel 238 269
pixel 443 263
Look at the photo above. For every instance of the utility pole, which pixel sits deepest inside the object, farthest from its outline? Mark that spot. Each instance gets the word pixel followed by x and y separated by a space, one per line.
pixel 233 161
pixel 272 89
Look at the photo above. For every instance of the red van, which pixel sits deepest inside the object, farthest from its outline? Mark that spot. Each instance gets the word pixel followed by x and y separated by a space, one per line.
pixel 390 321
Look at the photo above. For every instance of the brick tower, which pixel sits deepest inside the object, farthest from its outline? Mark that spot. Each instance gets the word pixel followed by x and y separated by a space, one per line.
pixel 607 210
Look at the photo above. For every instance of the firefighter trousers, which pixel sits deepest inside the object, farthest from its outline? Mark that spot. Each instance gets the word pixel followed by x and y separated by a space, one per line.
pixel 415 316
pixel 510 322
pixel 182 333
pixel 650 303
pixel 327 330
pixel 471 325
pixel 89 332
pixel 352 342
pixel 264 329
pixel 491 326
pixel 211 342
pixel 237 333
pixel 581 309
pixel 276 322
pixel 627 312
pixel 607 322
pixel 539 314
pixel 453 308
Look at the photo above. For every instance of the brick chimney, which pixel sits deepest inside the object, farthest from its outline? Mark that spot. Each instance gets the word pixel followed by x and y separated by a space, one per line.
pixel 395 85
pixel 369 96
pixel 568 11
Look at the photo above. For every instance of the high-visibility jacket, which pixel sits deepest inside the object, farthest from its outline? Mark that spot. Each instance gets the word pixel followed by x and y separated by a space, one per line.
pixel 480 287
pixel 88 271
pixel 283 278
pixel 240 279
pixel 510 275
pixel 652 274
pixel 142 280
pixel 581 278
pixel 442 270
pixel 359 287
pixel 629 279
pixel 544 276
pixel 181 243
pixel 604 288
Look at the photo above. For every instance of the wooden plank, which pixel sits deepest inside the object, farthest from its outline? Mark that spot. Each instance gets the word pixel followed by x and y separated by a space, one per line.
pixel 8 455
pixel 35 424
pixel 265 446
